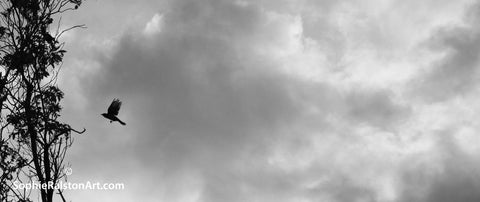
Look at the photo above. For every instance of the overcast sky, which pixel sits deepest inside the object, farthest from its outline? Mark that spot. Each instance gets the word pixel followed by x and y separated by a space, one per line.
pixel 276 100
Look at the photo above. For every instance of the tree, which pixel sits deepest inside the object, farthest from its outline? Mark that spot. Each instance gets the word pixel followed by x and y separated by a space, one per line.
pixel 33 141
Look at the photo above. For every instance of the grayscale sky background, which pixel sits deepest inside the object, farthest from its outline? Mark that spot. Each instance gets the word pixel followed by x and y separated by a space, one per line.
pixel 276 100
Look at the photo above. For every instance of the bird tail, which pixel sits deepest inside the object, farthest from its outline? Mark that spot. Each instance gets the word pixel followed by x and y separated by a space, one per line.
pixel 121 122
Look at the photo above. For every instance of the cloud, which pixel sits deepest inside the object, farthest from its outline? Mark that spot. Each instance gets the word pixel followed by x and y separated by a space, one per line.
pixel 261 101
pixel 454 180
pixel 155 25
pixel 455 73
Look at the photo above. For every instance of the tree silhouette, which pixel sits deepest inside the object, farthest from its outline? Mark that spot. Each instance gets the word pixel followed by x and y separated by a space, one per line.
pixel 33 142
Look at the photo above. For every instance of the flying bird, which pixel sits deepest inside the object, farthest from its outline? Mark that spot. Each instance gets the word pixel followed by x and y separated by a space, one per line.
pixel 112 112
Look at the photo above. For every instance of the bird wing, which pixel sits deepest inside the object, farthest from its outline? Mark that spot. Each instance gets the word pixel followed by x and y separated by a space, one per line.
pixel 114 107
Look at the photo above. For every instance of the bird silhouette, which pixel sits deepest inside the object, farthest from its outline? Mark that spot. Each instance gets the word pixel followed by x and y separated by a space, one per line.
pixel 112 111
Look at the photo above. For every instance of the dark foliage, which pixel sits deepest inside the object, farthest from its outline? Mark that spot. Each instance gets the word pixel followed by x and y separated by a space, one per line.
pixel 33 141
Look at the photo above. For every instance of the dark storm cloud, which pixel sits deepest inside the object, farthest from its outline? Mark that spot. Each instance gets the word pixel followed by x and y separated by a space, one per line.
pixel 456 178
pixel 457 72
pixel 196 93
pixel 375 108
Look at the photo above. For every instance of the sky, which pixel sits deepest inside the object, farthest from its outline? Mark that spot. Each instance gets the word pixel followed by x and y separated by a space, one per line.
pixel 275 100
